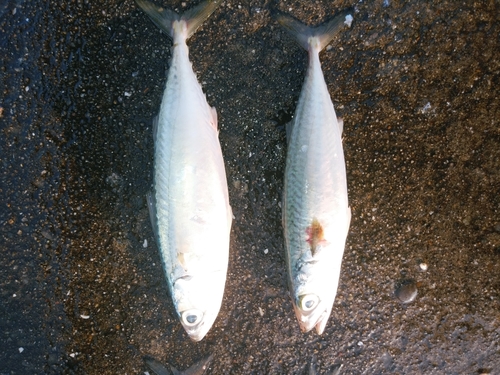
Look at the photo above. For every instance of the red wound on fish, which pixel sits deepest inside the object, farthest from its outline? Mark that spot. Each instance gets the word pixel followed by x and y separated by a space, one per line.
pixel 315 235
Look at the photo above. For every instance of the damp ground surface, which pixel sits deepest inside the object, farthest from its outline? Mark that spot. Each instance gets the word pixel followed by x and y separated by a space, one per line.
pixel 82 289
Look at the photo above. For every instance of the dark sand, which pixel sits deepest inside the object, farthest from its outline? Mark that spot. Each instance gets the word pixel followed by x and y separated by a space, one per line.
pixel 417 85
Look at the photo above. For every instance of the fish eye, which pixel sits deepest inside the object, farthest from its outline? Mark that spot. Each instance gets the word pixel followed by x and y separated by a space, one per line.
pixel 308 302
pixel 192 317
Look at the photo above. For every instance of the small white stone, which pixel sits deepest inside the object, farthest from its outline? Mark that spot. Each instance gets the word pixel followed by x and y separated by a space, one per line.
pixel 423 266
pixel 21 349
pixel 84 316
pixel 266 251
pixel 348 20
pixel 427 107
pixel 145 244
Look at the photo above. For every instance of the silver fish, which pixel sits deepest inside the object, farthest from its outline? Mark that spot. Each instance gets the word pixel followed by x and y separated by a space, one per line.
pixel 190 205
pixel 316 214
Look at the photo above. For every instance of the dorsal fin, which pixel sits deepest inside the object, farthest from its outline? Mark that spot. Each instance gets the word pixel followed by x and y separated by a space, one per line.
pixel 214 119
pixel 340 122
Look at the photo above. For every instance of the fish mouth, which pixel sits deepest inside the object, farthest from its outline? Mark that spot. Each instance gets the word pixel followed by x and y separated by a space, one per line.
pixel 197 300
pixel 193 322
pixel 311 313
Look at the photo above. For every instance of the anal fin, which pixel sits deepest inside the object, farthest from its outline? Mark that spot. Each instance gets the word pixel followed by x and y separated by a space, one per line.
pixel 152 216
pixel 288 128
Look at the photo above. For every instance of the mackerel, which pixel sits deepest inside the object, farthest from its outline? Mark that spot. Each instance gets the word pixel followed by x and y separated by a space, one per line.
pixel 189 207
pixel 316 213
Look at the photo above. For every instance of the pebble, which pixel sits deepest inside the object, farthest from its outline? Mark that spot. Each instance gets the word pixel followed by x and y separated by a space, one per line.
pixel 407 291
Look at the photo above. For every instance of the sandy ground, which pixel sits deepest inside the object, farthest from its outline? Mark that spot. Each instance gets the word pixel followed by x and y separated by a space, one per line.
pixel 82 289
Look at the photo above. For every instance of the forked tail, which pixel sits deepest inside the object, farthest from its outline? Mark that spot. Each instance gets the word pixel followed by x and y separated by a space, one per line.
pixel 322 34
pixel 164 18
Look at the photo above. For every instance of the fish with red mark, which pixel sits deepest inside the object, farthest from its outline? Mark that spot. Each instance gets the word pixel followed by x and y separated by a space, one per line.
pixel 316 213
pixel 315 236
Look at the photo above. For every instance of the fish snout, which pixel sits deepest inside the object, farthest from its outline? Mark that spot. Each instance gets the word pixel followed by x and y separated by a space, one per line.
pixel 311 312
pixel 193 322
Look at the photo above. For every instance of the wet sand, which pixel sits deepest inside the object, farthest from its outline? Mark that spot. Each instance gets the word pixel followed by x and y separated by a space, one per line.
pixel 82 289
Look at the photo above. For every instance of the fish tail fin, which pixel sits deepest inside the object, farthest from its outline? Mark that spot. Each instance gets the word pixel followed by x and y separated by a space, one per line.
pixel 198 368
pixel 323 34
pixel 164 18
pixel 194 17
pixel 161 17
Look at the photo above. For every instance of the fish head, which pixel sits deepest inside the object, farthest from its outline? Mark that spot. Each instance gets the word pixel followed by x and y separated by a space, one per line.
pixel 312 311
pixel 314 288
pixel 314 275
pixel 195 323
pixel 197 300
